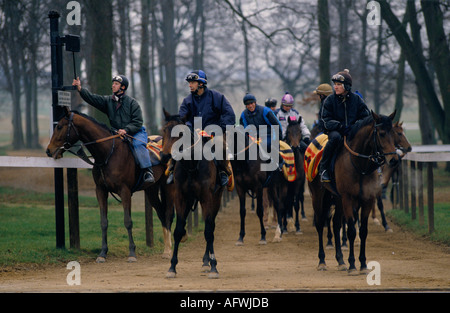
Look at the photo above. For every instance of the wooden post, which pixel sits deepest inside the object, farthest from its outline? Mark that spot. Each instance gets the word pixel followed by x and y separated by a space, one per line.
pixel 413 190
pixel 406 187
pixel 74 219
pixel 420 191
pixel 430 186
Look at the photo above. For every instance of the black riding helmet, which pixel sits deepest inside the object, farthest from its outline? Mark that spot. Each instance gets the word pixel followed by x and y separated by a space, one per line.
pixel 122 79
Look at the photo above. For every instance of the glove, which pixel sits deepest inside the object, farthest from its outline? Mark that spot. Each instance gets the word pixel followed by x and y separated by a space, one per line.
pixel 306 140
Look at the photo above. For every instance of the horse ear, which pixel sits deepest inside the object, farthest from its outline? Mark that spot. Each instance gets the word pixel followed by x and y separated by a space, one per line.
pixel 400 124
pixel 186 118
pixel 166 114
pixel 66 110
pixel 299 119
pixel 374 115
pixel 393 115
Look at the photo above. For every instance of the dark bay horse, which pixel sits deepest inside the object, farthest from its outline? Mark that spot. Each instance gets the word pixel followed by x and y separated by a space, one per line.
pixel 249 179
pixel 402 143
pixel 114 171
pixel 194 180
pixel 290 194
pixel 370 145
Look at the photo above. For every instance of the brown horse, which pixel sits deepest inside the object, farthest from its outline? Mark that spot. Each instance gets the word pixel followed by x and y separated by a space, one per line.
pixel 249 179
pixel 194 180
pixel 114 171
pixel 290 194
pixel 371 145
pixel 402 143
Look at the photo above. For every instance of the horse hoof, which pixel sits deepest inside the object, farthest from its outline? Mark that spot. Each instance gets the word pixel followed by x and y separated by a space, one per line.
pixel 262 242
pixel 213 275
pixel 239 243
pixel 100 259
pixel 364 271
pixel 166 255
pixel 171 275
pixel 342 267
pixel 329 246
pixel 206 269
pixel 131 259
pixel 389 230
pixel 184 238
pixel 299 232
pixel 353 272
pixel 276 239
pixel 322 267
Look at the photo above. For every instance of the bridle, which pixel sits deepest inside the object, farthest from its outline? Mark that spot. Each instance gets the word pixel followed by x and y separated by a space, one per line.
pixel 378 157
pixel 80 153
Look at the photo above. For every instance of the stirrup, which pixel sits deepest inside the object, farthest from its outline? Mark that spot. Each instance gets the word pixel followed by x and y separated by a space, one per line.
pixel 324 177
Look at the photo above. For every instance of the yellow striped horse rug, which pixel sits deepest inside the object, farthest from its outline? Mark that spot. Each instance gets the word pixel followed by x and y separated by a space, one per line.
pixel 313 155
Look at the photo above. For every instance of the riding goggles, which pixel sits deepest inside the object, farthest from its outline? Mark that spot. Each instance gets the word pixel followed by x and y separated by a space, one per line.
pixel 118 79
pixel 338 78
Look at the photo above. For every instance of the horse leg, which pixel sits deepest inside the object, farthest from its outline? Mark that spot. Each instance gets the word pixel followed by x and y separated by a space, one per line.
pixel 102 198
pixel 351 233
pixel 178 234
pixel 383 217
pixel 297 202
pixel 260 213
pixel 363 235
pixel 209 256
pixel 125 195
pixel 319 223
pixel 337 223
pixel 242 213
pixel 344 235
pixel 329 233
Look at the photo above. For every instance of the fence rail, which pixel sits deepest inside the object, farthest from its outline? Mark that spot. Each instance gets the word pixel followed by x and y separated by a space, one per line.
pixel 411 180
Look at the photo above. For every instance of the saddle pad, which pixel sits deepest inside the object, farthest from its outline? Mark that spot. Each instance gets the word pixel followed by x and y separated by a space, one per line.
pixel 313 155
pixel 154 145
pixel 289 170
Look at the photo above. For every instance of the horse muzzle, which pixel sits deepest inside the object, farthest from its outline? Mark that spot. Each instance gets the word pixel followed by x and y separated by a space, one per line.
pixel 56 154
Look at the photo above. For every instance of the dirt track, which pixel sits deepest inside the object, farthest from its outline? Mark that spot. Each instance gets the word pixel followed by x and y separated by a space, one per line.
pixel 407 263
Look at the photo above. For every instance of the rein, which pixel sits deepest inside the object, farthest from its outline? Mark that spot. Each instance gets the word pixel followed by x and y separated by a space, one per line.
pixel 378 158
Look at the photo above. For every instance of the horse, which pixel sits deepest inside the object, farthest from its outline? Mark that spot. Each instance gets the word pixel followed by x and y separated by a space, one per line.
pixel 292 194
pixel 194 180
pixel 114 171
pixel 402 143
pixel 248 178
pixel 371 144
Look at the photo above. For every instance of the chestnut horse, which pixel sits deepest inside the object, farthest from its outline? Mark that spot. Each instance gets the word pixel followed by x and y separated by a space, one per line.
pixel 114 171
pixel 194 180
pixel 371 145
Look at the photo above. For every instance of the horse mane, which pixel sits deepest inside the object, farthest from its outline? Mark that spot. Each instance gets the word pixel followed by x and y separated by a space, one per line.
pixel 90 118
pixel 384 121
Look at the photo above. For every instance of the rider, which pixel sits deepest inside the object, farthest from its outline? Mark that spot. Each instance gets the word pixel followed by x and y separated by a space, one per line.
pixel 287 111
pixel 125 115
pixel 340 111
pixel 271 103
pixel 212 107
pixel 258 115
pixel 322 91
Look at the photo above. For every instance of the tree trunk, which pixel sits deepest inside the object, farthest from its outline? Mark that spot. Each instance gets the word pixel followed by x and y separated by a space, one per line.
pixel 418 67
pixel 100 16
pixel 325 39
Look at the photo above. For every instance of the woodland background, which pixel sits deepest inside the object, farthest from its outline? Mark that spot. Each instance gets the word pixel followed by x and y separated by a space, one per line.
pixel 265 47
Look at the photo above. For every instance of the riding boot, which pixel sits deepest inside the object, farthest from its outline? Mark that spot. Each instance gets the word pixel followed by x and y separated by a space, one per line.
pixel 324 166
pixel 148 175
pixel 169 171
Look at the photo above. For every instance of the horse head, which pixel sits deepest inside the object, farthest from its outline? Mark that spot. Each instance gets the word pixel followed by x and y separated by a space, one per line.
pixel 64 136
pixel 401 142
pixel 294 132
pixel 169 139
pixel 384 137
